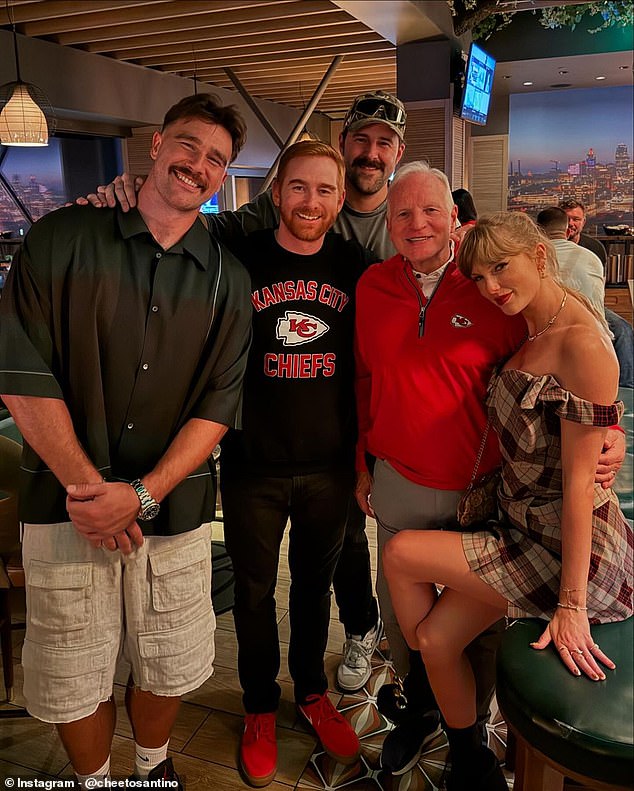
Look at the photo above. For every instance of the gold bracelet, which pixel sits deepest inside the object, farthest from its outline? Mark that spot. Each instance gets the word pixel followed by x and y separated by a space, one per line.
pixel 572 607
pixel 568 591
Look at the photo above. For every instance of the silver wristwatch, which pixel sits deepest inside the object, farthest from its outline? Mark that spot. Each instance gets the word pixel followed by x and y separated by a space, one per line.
pixel 149 506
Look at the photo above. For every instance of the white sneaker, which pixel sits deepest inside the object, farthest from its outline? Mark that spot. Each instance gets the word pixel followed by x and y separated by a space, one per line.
pixel 356 667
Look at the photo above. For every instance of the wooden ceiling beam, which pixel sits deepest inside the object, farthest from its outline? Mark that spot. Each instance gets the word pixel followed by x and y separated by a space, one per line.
pixel 36 11
pixel 277 39
pixel 147 46
pixel 301 75
pixel 152 18
pixel 187 69
pixel 168 30
pixel 301 78
pixel 332 93
pixel 273 69
pixel 229 56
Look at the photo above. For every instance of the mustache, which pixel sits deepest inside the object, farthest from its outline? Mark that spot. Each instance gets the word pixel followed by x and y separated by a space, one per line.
pixel 189 173
pixel 366 162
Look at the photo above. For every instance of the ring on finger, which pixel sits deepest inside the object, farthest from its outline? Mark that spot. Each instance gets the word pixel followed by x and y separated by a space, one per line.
pixel 562 647
pixel 576 651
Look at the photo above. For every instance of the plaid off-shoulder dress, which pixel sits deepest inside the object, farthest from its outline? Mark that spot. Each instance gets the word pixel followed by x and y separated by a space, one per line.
pixel 520 556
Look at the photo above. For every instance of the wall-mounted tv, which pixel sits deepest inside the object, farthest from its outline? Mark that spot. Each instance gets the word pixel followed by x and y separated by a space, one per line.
pixel 476 95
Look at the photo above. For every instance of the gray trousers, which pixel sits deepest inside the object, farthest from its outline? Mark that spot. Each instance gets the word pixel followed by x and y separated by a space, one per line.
pixel 400 504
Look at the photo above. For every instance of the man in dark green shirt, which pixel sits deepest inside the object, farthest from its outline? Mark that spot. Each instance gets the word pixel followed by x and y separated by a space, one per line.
pixel 123 343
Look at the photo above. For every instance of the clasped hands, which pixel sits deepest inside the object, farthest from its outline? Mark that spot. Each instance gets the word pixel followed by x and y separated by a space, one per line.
pixel 105 514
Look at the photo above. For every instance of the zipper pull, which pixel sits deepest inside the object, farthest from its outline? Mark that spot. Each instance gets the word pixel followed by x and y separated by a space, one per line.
pixel 421 322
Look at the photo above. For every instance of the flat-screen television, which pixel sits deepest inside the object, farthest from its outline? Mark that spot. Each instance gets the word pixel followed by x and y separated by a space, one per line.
pixel 476 94
pixel 211 206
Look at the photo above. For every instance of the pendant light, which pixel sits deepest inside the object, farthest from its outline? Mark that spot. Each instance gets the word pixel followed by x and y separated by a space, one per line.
pixel 22 119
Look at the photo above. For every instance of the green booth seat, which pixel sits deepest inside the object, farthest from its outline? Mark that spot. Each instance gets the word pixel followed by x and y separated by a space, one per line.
pixel 624 483
pixel 567 726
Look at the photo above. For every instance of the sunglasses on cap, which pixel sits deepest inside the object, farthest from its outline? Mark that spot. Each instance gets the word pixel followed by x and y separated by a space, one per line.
pixel 379 107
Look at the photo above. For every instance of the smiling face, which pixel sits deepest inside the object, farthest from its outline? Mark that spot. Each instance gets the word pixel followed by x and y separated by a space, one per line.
pixel 512 283
pixel 309 197
pixel 576 221
pixel 421 217
pixel 190 162
pixel 371 154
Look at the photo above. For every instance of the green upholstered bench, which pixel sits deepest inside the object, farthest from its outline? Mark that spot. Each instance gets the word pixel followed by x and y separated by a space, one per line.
pixel 567 726
pixel 624 483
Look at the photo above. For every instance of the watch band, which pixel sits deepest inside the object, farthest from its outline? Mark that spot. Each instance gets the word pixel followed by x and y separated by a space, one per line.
pixel 149 507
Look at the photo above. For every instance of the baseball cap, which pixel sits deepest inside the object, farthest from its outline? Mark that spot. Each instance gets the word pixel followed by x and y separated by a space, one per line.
pixel 376 107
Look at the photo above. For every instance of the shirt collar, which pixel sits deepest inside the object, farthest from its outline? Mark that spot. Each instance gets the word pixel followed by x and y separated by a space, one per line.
pixel 194 243
pixel 428 282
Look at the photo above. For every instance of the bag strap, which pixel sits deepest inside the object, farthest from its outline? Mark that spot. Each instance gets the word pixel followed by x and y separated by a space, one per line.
pixel 480 453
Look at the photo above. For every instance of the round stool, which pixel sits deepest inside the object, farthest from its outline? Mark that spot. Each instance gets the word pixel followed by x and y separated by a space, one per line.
pixel 567 726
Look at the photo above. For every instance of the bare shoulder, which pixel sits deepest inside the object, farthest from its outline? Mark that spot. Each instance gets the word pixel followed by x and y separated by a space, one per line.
pixel 588 363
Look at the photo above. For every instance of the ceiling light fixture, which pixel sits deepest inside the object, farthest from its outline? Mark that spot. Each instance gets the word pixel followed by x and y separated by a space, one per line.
pixel 562 71
pixel 600 77
pixel 22 120
pixel 527 83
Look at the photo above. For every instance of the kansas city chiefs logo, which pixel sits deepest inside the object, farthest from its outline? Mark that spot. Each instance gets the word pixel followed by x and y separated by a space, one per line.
pixel 297 328
pixel 460 321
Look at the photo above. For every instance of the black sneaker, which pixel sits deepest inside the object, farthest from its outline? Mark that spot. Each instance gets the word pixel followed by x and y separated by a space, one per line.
pixel 163 771
pixel 403 746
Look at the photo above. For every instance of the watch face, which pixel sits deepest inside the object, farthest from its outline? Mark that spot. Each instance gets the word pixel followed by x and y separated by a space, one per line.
pixel 150 512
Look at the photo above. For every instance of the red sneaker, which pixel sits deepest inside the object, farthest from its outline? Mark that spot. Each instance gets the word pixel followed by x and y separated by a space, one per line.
pixel 258 749
pixel 335 733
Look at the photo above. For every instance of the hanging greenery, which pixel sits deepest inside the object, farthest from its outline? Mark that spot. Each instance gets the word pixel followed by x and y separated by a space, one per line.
pixel 484 17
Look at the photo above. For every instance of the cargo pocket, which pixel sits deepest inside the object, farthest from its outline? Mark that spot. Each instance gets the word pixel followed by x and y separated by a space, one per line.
pixel 176 661
pixel 178 578
pixel 65 684
pixel 59 595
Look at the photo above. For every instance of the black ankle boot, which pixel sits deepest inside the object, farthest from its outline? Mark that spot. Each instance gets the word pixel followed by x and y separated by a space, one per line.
pixel 481 773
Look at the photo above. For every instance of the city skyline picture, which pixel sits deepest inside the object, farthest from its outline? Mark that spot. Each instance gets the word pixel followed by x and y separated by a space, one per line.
pixel 573 144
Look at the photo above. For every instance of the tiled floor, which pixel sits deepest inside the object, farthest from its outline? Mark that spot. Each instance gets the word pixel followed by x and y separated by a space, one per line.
pixel 205 740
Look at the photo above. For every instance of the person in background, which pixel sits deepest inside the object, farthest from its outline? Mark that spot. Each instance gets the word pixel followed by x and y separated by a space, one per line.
pixel 621 330
pixel 372 144
pixel 467 214
pixel 123 345
pixel 576 213
pixel 578 267
pixel 562 549
pixel 422 373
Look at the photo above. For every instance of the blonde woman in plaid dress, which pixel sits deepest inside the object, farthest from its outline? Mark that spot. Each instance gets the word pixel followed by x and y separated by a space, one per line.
pixel 563 550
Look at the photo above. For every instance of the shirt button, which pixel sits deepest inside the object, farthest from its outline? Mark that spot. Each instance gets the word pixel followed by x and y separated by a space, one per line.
pixel 159 255
pixel 154 308
pixel 130 425
pixel 145 366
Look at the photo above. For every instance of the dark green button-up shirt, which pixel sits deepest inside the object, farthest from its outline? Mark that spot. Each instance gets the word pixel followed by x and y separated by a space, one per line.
pixel 136 340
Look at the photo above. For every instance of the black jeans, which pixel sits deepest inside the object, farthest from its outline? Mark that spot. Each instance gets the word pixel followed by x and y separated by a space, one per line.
pixel 256 510
pixel 358 609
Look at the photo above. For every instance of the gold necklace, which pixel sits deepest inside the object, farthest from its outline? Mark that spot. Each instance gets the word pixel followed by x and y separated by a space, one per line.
pixel 552 321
